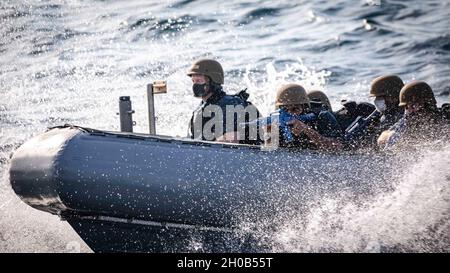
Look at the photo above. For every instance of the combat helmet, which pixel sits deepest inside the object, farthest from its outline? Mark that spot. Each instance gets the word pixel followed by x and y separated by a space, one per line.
pixel 319 96
pixel 208 67
pixel 417 92
pixel 387 85
pixel 291 94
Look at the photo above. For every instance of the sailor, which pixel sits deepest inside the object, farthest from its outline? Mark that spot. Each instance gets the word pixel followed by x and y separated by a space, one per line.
pixel 422 119
pixel 218 115
pixel 321 106
pixel 385 89
pixel 320 132
pixel 319 101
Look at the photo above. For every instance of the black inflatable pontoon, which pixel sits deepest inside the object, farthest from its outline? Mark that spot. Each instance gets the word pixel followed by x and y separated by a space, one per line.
pixel 140 193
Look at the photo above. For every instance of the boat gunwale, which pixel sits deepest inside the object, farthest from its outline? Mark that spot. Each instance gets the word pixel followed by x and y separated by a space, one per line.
pixel 212 144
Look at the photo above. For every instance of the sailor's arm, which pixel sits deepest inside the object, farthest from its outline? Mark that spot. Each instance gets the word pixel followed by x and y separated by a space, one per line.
pixel 317 139
pixel 384 137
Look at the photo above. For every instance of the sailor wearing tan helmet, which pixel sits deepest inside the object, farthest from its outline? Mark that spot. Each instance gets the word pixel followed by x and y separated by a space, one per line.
pixel 314 133
pixel 385 89
pixel 422 120
pixel 211 120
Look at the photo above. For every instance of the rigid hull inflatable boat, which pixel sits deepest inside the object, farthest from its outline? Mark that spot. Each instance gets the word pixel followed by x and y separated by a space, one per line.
pixel 127 192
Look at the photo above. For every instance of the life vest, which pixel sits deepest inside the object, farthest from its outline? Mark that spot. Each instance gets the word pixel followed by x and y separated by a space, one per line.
pixel 222 100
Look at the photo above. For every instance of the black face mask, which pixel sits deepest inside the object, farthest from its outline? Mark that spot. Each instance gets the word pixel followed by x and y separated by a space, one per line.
pixel 200 90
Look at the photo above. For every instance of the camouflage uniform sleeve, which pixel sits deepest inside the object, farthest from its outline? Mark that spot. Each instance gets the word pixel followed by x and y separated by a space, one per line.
pixel 396 131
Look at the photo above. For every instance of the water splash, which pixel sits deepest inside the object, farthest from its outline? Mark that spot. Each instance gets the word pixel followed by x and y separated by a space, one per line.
pixel 263 84
pixel 414 216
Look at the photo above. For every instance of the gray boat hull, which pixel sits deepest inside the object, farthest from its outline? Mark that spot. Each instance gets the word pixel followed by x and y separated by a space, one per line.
pixel 139 193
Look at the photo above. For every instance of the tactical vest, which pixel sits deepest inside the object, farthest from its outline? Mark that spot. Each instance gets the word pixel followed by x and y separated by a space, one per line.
pixel 221 100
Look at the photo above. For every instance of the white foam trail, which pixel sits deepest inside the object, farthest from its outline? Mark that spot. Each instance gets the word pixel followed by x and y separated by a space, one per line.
pixel 412 217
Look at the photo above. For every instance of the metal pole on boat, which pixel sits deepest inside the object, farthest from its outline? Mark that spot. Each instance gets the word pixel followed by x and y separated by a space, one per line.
pixel 125 113
pixel 156 87
pixel 151 110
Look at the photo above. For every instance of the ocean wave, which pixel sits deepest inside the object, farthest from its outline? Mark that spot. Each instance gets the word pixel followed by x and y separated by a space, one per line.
pixel 182 4
pixel 387 11
pixel 154 28
pixel 258 14
pixel 435 44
